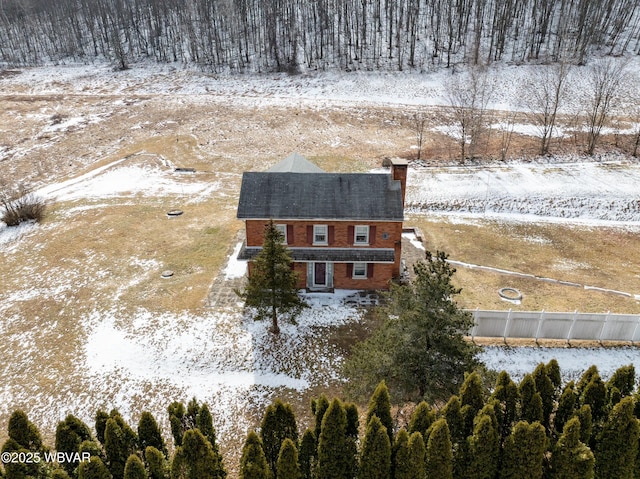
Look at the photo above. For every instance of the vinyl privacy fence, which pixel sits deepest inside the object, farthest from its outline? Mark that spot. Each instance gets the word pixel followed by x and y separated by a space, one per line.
pixel 556 325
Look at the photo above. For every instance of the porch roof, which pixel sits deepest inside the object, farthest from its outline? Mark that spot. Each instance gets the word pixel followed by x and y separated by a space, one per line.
pixel 336 255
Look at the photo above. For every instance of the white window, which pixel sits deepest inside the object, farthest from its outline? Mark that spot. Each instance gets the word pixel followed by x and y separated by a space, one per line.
pixel 361 234
pixel 359 270
pixel 320 234
pixel 283 231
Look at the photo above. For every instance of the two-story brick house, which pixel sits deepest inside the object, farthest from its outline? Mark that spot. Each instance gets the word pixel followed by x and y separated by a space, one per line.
pixel 344 230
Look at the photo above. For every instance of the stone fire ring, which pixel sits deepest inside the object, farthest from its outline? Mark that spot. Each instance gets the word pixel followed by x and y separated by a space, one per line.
pixel 510 294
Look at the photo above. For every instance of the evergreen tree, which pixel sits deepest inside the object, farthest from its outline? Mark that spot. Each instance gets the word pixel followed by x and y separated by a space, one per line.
pixel 101 423
pixel 94 468
pixel 93 448
pixel 546 389
pixel 400 456
pixel 424 327
pixel 524 452
pixel 624 380
pixel 586 378
pixel 595 395
pixel 455 422
pixel 156 463
pixel 506 393
pixel 56 474
pixel 204 422
pixel 177 414
pixel 253 463
pixel 119 444
pixel 24 432
pixel 353 420
pixel 439 463
pixel 617 444
pixel 70 433
pixel 553 371
pixel 566 406
pixel 586 423
pixel 380 405
pixel 422 418
pixel 530 401
pixel 308 454
pixel 287 465
pixel 134 468
pixel 484 447
pixel 190 419
pixel 417 457
pixel 273 285
pixel 319 408
pixel 375 456
pixel 200 460
pixel 278 424
pixel 571 458
pixel 471 392
pixel 149 434
pixel 24 438
pixel 336 451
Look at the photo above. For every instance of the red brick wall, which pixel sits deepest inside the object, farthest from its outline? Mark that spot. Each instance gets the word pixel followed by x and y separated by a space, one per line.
pixel 255 232
pixel 342 238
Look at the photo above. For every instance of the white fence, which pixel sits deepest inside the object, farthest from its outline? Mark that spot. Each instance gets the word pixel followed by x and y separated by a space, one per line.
pixel 552 325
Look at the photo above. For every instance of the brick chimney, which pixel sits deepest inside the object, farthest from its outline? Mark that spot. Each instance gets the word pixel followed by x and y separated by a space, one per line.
pixel 399 172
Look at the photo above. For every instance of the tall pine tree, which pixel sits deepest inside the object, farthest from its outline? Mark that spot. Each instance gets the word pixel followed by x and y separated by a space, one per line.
pixel 424 327
pixel 273 285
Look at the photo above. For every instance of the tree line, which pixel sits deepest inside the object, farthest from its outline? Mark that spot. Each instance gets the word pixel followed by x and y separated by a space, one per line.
pixel 533 429
pixel 289 35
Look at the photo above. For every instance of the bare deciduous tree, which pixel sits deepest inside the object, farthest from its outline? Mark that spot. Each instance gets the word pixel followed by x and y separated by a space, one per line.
pixel 468 96
pixel 419 124
pixel 605 81
pixel 543 98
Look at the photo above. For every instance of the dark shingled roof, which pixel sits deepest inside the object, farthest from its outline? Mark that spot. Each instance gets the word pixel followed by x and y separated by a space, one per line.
pixel 353 196
pixel 340 255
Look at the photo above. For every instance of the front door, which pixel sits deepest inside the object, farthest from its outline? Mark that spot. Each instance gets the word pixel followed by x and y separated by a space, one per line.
pixel 320 274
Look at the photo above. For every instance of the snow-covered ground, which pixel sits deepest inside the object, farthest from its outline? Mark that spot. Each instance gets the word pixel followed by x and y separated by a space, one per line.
pixel 320 89
pixel 603 192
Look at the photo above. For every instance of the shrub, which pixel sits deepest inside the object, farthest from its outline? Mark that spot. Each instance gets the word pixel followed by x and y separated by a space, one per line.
pixel 19 204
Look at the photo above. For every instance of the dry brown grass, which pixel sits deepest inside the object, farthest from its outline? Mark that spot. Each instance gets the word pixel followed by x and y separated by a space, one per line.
pixel 604 258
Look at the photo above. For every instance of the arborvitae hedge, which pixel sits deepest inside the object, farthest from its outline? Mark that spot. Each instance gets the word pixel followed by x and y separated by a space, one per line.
pixel 380 405
pixel 462 440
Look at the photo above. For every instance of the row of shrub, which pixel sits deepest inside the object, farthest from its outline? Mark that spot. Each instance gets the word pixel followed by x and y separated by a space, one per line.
pixel 537 428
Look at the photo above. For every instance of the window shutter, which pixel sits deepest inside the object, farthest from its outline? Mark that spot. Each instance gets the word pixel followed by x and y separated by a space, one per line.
pixel 349 270
pixel 289 234
pixel 369 270
pixel 372 235
pixel 310 234
pixel 332 234
pixel 351 235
